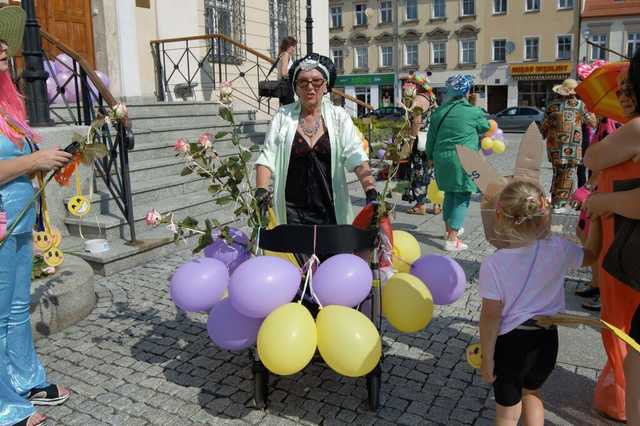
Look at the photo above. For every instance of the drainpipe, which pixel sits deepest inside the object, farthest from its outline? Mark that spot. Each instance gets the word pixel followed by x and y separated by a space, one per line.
pixel 34 75
pixel 397 54
pixel 309 22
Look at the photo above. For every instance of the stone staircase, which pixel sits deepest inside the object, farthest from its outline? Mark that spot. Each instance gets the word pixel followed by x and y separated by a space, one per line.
pixel 156 183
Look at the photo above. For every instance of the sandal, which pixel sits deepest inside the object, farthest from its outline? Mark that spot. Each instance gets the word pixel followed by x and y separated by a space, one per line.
pixel 50 395
pixel 422 210
pixel 35 419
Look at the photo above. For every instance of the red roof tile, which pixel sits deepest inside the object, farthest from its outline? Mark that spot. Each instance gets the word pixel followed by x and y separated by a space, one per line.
pixel 597 8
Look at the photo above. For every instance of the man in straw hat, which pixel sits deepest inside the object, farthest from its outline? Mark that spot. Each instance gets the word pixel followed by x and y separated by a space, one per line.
pixel 562 127
pixel 23 382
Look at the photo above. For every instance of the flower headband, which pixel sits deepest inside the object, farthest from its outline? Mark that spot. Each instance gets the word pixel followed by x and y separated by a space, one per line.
pixel 519 220
pixel 308 65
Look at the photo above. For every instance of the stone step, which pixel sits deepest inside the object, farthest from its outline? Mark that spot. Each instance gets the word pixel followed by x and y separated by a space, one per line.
pixel 166 148
pixel 193 132
pixel 151 244
pixel 187 119
pixel 112 225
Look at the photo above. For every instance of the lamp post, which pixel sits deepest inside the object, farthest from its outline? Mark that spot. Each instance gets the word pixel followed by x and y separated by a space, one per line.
pixel 309 22
pixel 34 75
pixel 586 34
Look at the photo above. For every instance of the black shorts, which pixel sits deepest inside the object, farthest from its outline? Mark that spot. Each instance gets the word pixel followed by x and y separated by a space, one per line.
pixel 524 359
pixel 635 326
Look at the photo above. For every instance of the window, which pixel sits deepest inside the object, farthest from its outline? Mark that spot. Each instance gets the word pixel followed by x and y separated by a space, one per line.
pixel 386 12
pixel 499 6
pixel 468 8
pixel 439 52
pixel 279 16
pixel 362 57
pixel 337 58
pixel 633 43
pixel 386 56
pixel 499 50
pixel 565 4
pixel 564 47
pixel 361 14
pixel 467 51
pixel 438 9
pixel 532 5
pixel 225 17
pixel 531 48
pixel 597 52
pixel 336 17
pixel 411 10
pixel 411 54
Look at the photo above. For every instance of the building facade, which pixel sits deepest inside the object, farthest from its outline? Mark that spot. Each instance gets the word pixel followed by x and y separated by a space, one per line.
pixel 515 50
pixel 614 25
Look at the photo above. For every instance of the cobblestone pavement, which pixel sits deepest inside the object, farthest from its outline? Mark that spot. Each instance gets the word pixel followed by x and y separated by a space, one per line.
pixel 137 360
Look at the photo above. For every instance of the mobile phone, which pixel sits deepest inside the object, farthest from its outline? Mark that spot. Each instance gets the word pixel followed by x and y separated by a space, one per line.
pixel 72 148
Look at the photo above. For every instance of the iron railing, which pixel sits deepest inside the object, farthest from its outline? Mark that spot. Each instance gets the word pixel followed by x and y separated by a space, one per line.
pixel 76 93
pixel 194 67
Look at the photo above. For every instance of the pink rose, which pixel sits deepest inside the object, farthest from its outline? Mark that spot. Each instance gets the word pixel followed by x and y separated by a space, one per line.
pixel 204 141
pixel 182 145
pixel 152 218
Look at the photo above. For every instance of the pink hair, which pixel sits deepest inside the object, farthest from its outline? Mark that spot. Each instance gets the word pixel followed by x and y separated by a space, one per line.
pixel 11 105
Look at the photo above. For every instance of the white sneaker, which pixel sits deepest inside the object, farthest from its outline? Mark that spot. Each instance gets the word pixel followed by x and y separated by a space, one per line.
pixel 460 232
pixel 455 245
pixel 560 210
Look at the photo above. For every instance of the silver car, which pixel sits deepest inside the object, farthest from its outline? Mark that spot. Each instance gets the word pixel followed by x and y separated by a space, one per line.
pixel 518 118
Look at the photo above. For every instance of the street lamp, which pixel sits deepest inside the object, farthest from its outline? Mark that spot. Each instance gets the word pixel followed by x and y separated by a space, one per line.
pixel 34 75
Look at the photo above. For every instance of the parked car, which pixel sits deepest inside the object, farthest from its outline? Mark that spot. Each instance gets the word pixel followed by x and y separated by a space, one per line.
pixel 518 118
pixel 387 113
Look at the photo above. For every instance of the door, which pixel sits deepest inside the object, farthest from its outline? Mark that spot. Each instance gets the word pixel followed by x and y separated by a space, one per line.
pixel 70 22
pixel 497 98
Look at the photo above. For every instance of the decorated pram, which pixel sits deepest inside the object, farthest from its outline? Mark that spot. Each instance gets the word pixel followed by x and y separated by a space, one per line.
pixel 324 241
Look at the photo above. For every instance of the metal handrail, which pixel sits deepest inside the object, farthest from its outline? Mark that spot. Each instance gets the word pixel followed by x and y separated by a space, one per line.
pixel 155 48
pixel 114 168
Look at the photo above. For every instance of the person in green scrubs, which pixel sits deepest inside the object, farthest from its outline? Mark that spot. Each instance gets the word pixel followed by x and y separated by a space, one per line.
pixel 456 122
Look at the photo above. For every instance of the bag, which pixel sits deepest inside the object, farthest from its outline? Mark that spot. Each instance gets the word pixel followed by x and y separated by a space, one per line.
pixel 621 261
pixel 422 141
pixel 273 88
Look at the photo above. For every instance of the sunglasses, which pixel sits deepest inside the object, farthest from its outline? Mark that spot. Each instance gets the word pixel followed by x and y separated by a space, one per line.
pixel 316 83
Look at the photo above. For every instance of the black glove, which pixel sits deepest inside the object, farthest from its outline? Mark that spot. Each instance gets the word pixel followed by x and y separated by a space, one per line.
pixel 263 197
pixel 371 196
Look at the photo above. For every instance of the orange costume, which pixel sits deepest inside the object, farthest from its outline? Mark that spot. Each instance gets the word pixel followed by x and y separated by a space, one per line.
pixel 619 303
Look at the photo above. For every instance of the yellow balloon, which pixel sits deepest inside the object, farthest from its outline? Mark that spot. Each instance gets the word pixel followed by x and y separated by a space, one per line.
pixel 287 339
pixel 348 341
pixel 407 303
pixel 498 146
pixel 406 250
pixel 433 192
pixel 487 143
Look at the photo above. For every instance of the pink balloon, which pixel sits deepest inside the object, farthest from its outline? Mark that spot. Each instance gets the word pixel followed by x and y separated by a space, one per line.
pixel 343 279
pixel 198 284
pixel 263 283
pixel 229 329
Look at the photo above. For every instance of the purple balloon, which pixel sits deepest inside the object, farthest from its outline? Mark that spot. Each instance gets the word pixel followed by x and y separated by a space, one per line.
pixel 199 284
pixel 499 133
pixel 365 308
pixel 51 67
pixel 70 88
pixel 381 153
pixel 229 329
pixel 65 63
pixel 52 91
pixel 232 254
pixel 444 277
pixel 104 78
pixel 263 283
pixel 487 152
pixel 343 279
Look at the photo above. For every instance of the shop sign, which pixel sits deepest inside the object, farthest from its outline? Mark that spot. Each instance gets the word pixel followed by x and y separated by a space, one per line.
pixel 365 80
pixel 540 69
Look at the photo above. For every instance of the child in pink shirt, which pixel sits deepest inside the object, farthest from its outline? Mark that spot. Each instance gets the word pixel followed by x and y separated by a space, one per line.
pixel 517 284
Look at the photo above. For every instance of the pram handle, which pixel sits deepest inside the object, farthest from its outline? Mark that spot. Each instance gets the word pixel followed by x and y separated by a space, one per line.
pixel 329 239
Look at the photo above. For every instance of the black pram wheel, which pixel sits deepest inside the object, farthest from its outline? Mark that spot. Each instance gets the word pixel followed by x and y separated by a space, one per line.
pixel 260 385
pixel 373 388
